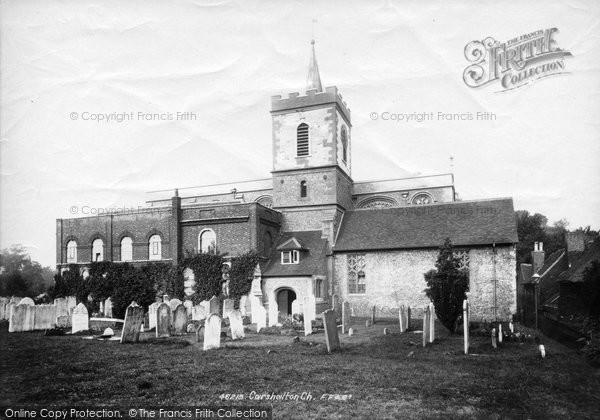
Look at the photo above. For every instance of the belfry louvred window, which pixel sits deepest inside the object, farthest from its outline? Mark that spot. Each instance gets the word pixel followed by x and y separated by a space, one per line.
pixel 302 140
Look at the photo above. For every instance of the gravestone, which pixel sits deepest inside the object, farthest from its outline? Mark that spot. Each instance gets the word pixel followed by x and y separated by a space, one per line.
pixel 9 308
pixel 310 307
pixel 385 331
pixel 227 307
pixel 189 307
pixel 254 304
pixel 236 324
pixel 295 307
pixel 214 306
pixel 367 323
pixel 134 318
pixel 3 304
pixel 373 314
pixel 499 333
pixel 21 318
pixel 345 317
pixel 431 323
pixel 350 332
pixel 307 320
pixel 166 298
pixel 71 303
pixel 259 317
pixel 179 320
pixel 542 350
pixel 466 325
pixel 426 325
pixel 27 301
pixel 244 303
pixel 331 332
pixel 198 313
pixel 408 319
pixel 61 307
pixel 511 327
pixel 494 344
pixel 174 303
pixel 79 319
pixel 152 315
pixel 273 313
pixel 212 332
pixel 163 320
pixel 335 302
pixel 44 317
pixel 108 308
pixel 402 315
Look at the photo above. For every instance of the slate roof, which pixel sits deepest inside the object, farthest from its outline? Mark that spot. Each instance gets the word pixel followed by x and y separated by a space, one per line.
pixel 579 261
pixel 312 258
pixel 466 223
pixel 526 273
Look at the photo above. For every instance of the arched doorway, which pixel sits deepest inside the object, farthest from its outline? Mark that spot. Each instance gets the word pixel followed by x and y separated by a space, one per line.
pixel 285 297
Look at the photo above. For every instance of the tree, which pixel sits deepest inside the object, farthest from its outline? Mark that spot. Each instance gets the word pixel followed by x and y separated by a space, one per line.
pixel 22 276
pixel 447 286
pixel 591 289
pixel 534 228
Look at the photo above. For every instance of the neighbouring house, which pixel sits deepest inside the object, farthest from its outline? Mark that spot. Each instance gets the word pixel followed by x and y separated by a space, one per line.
pixel 318 232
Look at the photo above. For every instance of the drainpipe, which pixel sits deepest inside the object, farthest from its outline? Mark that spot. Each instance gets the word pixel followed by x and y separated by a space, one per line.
pixel 495 282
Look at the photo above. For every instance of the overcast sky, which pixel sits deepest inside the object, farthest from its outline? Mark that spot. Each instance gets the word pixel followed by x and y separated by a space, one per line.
pixel 223 60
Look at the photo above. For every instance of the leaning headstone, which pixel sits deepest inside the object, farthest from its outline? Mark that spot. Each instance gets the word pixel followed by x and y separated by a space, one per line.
pixel 134 318
pixel 374 309
pixel 27 301
pixel 295 307
pixel 108 308
pixel 198 313
pixel 331 331
pixel 260 317
pixel 79 319
pixel 174 303
pixel 494 344
pixel 236 324
pixel 466 325
pixel 163 320
pixel 44 317
pixel 179 320
pixel 345 317
pixel 431 323
pixel 426 325
pixel 227 307
pixel 214 306
pixel 21 318
pixel 152 315
pixel 273 313
pixel 212 332
pixel 307 320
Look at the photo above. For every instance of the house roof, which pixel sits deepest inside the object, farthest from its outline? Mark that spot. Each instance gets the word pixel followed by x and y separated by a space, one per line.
pixel 291 244
pixel 553 266
pixel 312 256
pixel 464 222
pixel 578 262
pixel 526 273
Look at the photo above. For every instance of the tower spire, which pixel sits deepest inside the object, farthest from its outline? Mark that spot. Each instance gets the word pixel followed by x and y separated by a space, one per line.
pixel 314 79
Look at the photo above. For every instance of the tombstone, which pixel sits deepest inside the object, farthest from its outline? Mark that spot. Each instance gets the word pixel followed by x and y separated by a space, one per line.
pixel 179 320
pixel 350 332
pixel 71 303
pixel 331 331
pixel 260 317
pixel 61 307
pixel 212 332
pixel 108 308
pixel 273 313
pixel 373 315
pixel 426 325
pixel 198 313
pixel 542 350
pixel 9 309
pixel 27 301
pixel 511 327
pixel 494 344
pixel 244 305
pixel 385 331
pixel 345 317
pixel 408 319
pixel 163 320
pixel 310 307
pixel 165 298
pixel 134 318
pixel 21 318
pixel 295 307
pixel 3 304
pixel 500 333
pixel 214 306
pixel 227 307
pixel 431 323
pixel 368 323
pixel 44 317
pixel 236 325
pixel 152 315
pixel 466 325
pixel 189 306
pixel 79 319
pixel 254 304
pixel 335 302
pixel 108 332
pixel 174 303
pixel 307 320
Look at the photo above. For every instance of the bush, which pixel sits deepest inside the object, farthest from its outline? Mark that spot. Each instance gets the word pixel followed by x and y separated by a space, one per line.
pixel 241 275
pixel 447 286
pixel 208 273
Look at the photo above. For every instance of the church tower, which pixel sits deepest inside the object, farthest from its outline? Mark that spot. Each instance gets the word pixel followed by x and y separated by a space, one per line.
pixel 312 184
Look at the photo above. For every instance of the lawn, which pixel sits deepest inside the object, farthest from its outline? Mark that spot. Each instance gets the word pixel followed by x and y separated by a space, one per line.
pixel 375 375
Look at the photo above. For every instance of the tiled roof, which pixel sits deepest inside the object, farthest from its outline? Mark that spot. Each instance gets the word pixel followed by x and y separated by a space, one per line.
pixel 464 222
pixel 312 258
pixel 526 273
pixel 579 261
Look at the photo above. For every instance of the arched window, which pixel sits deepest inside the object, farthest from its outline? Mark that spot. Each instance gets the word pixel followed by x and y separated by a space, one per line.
pixel 126 249
pixel 154 248
pixel 71 252
pixel 207 242
pixel 98 250
pixel 422 198
pixel 267 244
pixel 344 144
pixel 302 146
pixel 303 189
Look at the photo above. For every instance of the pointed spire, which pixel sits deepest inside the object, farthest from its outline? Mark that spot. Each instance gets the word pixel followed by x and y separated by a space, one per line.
pixel 314 79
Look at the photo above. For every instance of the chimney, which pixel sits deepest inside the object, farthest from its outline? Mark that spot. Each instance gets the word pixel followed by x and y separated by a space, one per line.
pixel 537 256
pixel 575 241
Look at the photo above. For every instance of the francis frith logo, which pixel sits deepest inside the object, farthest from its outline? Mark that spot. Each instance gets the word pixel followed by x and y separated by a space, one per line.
pixel 516 62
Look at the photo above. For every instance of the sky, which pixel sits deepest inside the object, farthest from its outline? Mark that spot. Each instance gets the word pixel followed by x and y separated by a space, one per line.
pixel 64 63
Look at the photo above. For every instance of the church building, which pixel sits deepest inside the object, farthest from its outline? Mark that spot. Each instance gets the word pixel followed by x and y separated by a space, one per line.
pixel 320 234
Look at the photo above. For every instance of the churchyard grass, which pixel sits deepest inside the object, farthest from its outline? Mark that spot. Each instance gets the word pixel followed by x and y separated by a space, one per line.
pixel 387 376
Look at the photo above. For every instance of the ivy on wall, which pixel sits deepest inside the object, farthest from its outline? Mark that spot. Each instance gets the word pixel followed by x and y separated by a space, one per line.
pixel 241 275
pixel 208 274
